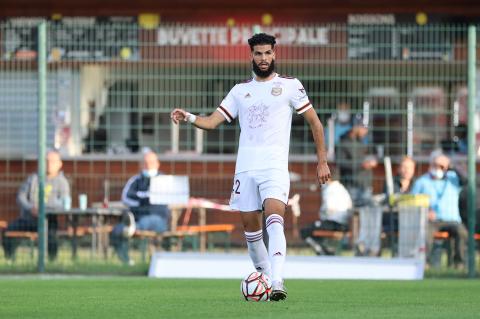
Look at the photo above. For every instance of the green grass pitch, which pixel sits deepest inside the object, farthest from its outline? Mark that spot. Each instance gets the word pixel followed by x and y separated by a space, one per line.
pixel 127 297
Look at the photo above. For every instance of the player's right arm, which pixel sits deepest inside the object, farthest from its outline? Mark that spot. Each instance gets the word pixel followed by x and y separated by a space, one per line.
pixel 226 111
pixel 204 122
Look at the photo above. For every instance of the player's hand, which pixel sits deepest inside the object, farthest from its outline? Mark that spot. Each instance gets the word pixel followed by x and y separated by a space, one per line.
pixel 178 115
pixel 323 172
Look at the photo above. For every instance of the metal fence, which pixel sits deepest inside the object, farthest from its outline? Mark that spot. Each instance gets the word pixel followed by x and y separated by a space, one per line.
pixel 111 86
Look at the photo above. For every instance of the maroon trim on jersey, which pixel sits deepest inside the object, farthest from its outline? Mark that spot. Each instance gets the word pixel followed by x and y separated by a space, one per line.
pixel 286 77
pixel 303 107
pixel 246 81
pixel 226 112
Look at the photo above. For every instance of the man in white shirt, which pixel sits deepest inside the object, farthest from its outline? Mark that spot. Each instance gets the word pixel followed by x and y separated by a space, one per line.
pixel 334 215
pixel 264 107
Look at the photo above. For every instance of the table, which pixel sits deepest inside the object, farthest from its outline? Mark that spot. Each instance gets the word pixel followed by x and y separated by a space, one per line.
pixel 97 214
pixel 202 204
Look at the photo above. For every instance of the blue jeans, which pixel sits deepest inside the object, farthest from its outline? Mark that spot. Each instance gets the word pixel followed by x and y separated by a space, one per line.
pixel 369 235
pixel 152 222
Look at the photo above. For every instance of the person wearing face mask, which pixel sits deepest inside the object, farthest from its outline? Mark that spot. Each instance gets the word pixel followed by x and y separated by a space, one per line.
pixel 142 215
pixel 443 186
pixel 344 117
pixel 343 122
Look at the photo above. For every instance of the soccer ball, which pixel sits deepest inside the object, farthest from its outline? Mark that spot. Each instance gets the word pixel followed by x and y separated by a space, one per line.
pixel 256 287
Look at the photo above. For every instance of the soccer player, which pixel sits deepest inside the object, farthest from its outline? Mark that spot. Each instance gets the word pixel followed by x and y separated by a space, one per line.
pixel 264 106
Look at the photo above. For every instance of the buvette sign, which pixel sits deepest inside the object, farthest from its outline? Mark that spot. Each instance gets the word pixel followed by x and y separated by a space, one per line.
pixel 211 35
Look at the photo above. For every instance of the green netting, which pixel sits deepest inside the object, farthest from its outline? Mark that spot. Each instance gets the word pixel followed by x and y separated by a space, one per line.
pixel 112 85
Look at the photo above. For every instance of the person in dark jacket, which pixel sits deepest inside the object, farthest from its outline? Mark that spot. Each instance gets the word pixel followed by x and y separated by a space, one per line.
pixel 142 215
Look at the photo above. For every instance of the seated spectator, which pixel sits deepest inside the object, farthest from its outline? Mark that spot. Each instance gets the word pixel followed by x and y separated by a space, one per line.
pixel 443 186
pixel 143 216
pixel 334 215
pixel 402 184
pixel 56 189
pixel 403 181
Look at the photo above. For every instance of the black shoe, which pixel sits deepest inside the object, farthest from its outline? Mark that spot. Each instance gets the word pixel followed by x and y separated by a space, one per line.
pixel 278 291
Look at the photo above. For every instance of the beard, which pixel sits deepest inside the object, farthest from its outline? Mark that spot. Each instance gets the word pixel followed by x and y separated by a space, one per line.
pixel 266 73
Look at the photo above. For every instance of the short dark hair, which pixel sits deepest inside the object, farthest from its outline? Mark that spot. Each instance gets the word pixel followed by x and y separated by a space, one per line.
pixel 261 38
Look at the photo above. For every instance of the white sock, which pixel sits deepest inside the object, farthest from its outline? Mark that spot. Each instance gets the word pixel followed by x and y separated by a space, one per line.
pixel 277 245
pixel 258 252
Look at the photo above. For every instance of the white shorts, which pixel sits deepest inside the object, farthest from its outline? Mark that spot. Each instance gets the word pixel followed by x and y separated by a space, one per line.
pixel 251 188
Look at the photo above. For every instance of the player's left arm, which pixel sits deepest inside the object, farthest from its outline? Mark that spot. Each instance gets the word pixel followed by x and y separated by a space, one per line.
pixel 323 171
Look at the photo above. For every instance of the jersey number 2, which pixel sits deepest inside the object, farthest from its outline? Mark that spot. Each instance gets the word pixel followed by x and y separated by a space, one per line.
pixel 237 186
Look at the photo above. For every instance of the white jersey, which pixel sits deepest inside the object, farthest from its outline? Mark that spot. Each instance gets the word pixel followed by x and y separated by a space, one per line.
pixel 264 110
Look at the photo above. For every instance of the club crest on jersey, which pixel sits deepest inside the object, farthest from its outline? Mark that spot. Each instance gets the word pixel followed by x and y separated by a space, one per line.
pixel 276 91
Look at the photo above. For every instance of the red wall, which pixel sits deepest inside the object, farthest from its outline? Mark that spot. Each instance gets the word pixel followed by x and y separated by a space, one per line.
pixel 243 11
pixel 211 180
